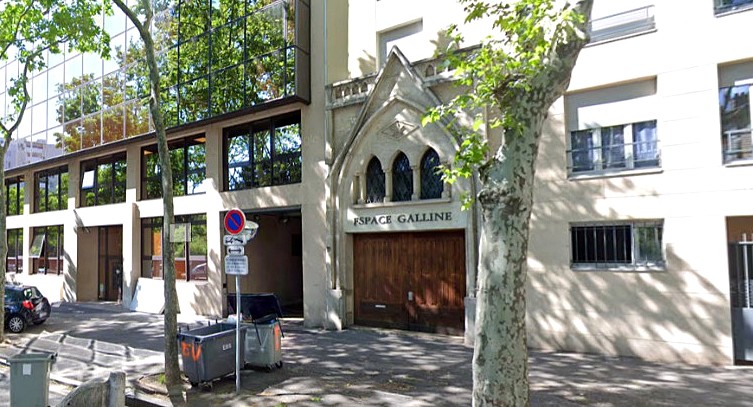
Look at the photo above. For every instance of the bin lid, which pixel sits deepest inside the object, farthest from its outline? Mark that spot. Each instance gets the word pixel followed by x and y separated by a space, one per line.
pixel 256 305
pixel 33 357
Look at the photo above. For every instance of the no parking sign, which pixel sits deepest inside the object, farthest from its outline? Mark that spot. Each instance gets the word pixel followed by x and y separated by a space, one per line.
pixel 235 221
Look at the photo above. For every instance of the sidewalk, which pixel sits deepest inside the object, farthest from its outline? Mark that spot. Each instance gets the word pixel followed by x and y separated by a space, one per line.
pixel 368 367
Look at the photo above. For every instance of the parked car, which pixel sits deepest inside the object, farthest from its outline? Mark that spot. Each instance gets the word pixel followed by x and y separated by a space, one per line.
pixel 24 305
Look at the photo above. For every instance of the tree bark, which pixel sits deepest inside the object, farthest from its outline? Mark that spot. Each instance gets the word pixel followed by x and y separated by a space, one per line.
pixel 6 133
pixel 500 359
pixel 3 234
pixel 172 369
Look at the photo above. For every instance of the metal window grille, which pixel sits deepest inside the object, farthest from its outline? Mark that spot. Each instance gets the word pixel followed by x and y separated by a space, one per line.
pixel 741 272
pixel 402 179
pixel 432 185
pixel 635 244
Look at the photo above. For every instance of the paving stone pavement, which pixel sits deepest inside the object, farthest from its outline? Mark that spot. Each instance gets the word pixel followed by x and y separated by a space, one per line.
pixel 369 367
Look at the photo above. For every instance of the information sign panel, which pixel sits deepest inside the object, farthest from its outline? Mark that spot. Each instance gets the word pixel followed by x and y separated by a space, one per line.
pixel 235 250
pixel 236 265
pixel 234 240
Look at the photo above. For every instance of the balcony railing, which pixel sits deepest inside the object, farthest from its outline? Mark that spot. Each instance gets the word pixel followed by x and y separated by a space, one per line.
pixel 726 6
pixel 614 157
pixel 623 24
pixel 737 144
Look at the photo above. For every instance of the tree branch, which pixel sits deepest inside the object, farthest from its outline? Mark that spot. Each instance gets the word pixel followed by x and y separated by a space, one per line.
pixel 25 100
pixel 131 16
pixel 15 31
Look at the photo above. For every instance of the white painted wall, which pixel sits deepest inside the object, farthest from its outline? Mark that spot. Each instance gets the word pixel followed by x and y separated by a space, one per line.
pixel 681 313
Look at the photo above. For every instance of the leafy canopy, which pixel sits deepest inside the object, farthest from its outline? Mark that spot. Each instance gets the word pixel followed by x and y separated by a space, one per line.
pixel 30 27
pixel 501 70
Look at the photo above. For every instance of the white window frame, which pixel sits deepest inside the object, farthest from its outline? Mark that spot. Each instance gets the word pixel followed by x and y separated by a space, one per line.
pixel 635 264
pixel 393 35
pixel 598 160
pixel 741 133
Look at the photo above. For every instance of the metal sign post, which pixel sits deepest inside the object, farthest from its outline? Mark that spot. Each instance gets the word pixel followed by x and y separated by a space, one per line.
pixel 236 263
pixel 237 334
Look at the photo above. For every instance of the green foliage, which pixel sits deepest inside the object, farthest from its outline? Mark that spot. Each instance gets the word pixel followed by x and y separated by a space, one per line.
pixel 30 27
pixel 501 71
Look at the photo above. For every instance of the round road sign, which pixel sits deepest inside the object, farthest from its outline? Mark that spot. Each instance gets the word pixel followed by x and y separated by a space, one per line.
pixel 235 221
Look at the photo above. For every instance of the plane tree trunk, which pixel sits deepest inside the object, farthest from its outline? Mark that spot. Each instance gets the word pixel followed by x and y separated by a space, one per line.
pixel 500 360
pixel 172 369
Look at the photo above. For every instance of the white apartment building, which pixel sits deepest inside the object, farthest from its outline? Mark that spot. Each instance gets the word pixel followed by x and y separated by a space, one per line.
pixel 640 218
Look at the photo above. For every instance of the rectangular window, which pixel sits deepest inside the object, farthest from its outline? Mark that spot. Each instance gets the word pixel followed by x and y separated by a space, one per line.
pixel 188 159
pixel 190 255
pixel 633 244
pixel 15 257
pixel 620 147
pixel 613 129
pixel 725 6
pixel 734 108
pixel 14 196
pixel 51 190
pixel 406 37
pixel 263 153
pixel 47 250
pixel 622 25
pixel 103 180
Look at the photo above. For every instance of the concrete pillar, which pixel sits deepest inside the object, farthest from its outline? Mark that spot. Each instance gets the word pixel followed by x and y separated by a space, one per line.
pixel 131 253
pixel 213 185
pixel 28 194
pixel 447 190
pixel 388 185
pixel 131 225
pixel 361 188
pixel 316 281
pixel 72 226
pixel 116 389
pixel 415 170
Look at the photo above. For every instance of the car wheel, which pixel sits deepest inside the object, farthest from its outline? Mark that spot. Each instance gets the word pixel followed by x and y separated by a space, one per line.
pixel 16 324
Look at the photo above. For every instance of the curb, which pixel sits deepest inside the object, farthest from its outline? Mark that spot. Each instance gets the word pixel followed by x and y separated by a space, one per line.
pixel 141 400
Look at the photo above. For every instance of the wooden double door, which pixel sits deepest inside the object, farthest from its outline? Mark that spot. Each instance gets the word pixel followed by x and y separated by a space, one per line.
pixel 413 281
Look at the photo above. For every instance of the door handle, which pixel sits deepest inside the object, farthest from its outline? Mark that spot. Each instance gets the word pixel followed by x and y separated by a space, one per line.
pixel 410 295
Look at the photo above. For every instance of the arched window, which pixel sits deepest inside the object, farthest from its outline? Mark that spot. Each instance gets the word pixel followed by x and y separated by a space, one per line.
pixel 431 181
pixel 402 179
pixel 374 181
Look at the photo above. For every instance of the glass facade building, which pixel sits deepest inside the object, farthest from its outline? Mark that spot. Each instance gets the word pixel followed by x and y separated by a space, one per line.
pixel 216 57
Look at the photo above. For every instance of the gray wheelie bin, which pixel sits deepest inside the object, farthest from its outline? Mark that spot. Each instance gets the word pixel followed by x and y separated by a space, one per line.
pixel 30 378
pixel 263 344
pixel 208 353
